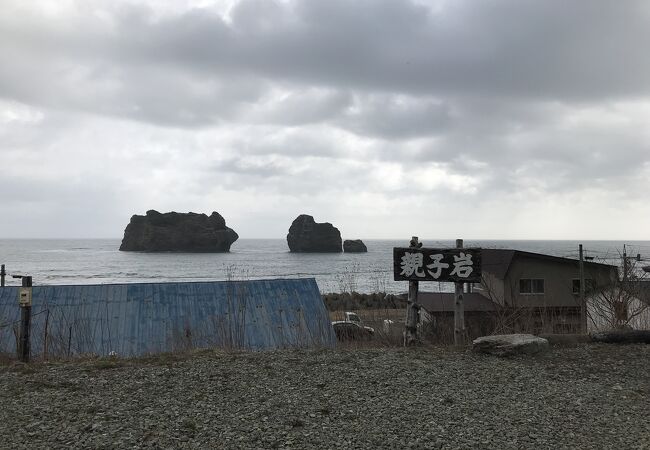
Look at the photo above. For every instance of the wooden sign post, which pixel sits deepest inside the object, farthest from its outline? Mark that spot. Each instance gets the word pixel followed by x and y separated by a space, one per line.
pixel 459 310
pixel 412 308
pixel 414 264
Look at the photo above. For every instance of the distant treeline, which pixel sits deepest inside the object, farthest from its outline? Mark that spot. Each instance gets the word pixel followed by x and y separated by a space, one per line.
pixel 353 301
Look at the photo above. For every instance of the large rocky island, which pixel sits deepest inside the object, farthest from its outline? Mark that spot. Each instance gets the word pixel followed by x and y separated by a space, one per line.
pixel 307 236
pixel 177 232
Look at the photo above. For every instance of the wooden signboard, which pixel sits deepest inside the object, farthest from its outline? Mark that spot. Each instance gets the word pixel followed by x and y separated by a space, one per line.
pixel 461 265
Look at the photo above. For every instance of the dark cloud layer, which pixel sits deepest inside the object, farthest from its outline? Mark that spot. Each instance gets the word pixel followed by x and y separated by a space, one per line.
pixel 373 100
pixel 515 50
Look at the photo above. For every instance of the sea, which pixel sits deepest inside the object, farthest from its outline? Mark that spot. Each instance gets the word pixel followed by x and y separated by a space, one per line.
pixel 98 261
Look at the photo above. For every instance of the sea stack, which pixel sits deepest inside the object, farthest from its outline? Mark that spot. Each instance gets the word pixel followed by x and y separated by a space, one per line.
pixel 177 232
pixel 354 246
pixel 307 236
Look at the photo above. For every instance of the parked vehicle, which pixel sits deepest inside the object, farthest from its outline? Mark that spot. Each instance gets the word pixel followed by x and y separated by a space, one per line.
pixel 351 331
pixel 351 328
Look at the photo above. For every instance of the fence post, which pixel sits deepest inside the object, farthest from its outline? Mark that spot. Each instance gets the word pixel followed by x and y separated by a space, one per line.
pixel 25 300
pixel 3 274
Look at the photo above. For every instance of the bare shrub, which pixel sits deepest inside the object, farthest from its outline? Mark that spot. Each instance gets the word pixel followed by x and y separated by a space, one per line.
pixel 347 280
pixel 623 304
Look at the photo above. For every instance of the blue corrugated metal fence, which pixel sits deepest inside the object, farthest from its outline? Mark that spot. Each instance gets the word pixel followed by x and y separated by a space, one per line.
pixel 137 319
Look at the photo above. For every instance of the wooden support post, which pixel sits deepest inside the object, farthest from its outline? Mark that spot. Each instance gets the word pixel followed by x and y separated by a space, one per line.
pixel 620 308
pixel 413 308
pixel 69 339
pixel 25 319
pixel 624 265
pixel 3 274
pixel 459 312
pixel 583 301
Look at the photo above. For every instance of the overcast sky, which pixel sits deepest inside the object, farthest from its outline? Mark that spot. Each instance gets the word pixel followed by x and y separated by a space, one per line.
pixel 445 119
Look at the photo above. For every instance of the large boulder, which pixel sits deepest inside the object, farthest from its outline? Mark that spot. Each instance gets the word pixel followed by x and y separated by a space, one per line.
pixel 305 235
pixel 354 246
pixel 178 232
pixel 510 344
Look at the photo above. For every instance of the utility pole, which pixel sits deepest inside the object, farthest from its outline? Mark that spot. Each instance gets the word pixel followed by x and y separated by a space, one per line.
pixel 413 308
pixel 583 304
pixel 459 312
pixel 626 265
pixel 25 302
pixel 620 306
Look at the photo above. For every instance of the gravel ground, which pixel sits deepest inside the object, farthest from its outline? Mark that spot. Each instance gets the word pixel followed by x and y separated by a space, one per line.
pixel 588 396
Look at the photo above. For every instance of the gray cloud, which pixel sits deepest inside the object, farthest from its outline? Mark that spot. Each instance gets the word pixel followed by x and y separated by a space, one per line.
pixel 525 49
pixel 554 50
pixel 392 117
pixel 54 208
pixel 343 105
pixel 295 107
pixel 251 167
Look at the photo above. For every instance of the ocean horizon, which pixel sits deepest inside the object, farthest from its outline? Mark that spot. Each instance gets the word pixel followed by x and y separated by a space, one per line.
pixel 98 261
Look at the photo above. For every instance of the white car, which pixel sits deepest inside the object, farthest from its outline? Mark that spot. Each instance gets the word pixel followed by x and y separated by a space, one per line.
pixel 351 328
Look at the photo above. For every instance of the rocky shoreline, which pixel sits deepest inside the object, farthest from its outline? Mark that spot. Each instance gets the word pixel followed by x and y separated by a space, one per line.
pixel 585 396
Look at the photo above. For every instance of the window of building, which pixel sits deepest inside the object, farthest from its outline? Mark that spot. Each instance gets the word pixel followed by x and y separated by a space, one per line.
pixel 531 286
pixel 589 285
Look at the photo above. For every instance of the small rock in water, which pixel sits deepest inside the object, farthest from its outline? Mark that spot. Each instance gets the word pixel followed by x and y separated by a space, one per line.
pixel 354 246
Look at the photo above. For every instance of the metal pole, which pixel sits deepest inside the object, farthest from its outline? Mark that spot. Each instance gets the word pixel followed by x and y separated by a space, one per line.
pixel 583 304
pixel 459 312
pixel 25 319
pixel 3 273
pixel 413 308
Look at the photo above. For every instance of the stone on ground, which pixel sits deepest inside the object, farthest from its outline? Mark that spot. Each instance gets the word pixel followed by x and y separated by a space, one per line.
pixel 510 344
pixel 622 337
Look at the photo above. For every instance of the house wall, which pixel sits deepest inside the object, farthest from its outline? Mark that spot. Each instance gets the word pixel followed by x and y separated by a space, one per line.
pixel 602 315
pixel 490 287
pixel 558 279
pixel 557 310
pixel 642 321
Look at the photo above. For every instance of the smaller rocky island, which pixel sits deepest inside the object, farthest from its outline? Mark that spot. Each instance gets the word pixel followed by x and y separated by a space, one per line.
pixel 354 246
pixel 307 236
pixel 177 232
